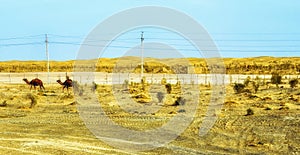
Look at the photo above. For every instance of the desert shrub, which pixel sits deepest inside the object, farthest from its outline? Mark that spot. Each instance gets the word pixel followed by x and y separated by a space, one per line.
pixel 180 101
pixel 77 88
pixel 3 104
pixel 181 111
pixel 94 86
pixel 131 83
pixel 192 82
pixel 255 86
pixel 250 112
pixel 160 96
pixel 268 108
pixel 276 79
pixel 259 81
pixel 178 83
pixel 163 81
pixel 75 85
pixel 143 80
pixel 33 100
pixel 238 87
pixel 257 78
pixel 208 85
pixel 293 83
pixel 247 81
pixel 284 108
pixel 169 88
pixel 125 84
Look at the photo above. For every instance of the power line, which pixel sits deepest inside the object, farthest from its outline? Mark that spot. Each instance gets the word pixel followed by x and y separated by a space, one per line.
pixel 22 37
pixel 183 46
pixel 180 45
pixel 95 39
pixel 21 44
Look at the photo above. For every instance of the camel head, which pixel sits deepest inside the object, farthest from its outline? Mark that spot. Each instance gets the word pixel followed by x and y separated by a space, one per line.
pixel 59 81
pixel 26 80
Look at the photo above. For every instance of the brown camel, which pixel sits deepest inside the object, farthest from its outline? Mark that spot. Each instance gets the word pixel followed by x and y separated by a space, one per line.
pixel 35 82
pixel 66 84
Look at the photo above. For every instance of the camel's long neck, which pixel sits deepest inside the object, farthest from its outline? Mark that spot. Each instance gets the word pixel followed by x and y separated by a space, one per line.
pixel 60 82
pixel 27 82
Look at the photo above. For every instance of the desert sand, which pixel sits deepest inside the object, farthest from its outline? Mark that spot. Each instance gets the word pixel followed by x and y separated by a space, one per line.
pixel 49 122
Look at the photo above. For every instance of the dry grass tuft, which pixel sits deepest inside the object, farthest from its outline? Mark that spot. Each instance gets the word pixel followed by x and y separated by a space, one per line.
pixel 33 100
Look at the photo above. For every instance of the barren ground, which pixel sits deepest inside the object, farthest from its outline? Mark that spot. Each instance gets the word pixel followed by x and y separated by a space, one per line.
pixel 53 125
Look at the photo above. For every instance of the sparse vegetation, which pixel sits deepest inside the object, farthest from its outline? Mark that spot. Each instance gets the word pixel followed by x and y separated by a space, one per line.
pixel 163 81
pixel 293 83
pixel 247 81
pixel 32 99
pixel 180 101
pixel 238 87
pixel 255 86
pixel 249 112
pixel 140 91
pixel 125 84
pixel 268 108
pixel 3 104
pixel 168 88
pixel 273 108
pixel 160 96
pixel 94 86
pixel 276 79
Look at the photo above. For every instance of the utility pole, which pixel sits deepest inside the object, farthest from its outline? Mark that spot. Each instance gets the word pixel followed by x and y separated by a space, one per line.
pixel 47 54
pixel 142 55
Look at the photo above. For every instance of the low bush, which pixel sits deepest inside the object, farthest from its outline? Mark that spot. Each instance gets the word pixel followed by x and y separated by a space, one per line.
pixel 276 79
pixel 169 88
pixel 249 112
pixel 238 87
pixel 293 83
pixel 160 96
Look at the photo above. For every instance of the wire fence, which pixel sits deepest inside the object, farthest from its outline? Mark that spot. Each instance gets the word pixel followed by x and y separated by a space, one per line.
pixel 119 78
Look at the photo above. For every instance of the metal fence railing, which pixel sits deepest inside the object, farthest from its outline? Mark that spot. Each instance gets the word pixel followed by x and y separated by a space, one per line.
pixel 119 78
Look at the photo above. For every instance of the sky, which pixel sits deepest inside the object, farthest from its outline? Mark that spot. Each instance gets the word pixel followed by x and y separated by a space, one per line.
pixel 247 28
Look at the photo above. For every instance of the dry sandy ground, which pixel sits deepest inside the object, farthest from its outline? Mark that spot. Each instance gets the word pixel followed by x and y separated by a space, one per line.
pixel 259 65
pixel 53 125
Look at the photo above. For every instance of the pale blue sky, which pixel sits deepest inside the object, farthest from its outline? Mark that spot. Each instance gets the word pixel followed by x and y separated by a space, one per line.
pixel 239 28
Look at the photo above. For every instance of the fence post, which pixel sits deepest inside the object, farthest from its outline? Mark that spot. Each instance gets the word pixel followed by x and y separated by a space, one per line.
pixel 265 82
pixel 106 79
pixel 205 79
pixel 119 78
pixel 152 78
pixel 9 78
